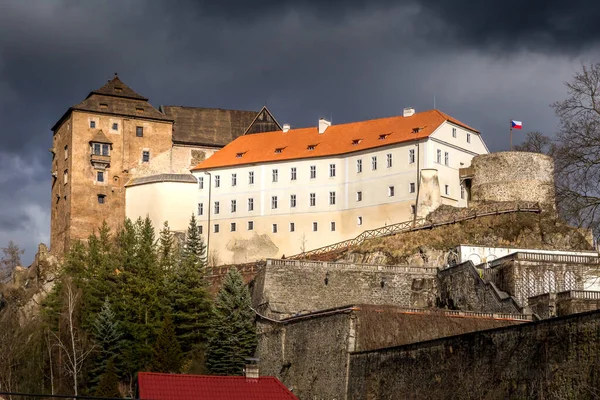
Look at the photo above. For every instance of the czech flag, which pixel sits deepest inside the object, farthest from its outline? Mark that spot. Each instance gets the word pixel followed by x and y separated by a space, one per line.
pixel 516 124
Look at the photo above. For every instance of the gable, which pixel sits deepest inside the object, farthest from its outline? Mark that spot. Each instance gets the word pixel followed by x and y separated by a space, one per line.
pixel 263 122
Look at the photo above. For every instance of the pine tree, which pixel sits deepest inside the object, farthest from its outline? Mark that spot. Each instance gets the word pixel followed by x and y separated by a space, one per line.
pixel 167 252
pixel 194 251
pixel 233 333
pixel 167 353
pixel 107 334
pixel 109 382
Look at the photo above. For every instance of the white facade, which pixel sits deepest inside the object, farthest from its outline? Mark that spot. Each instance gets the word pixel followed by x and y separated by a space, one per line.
pixel 331 198
pixel 482 254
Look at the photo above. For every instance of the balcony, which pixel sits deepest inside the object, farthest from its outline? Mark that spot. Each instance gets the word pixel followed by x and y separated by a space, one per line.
pixel 99 161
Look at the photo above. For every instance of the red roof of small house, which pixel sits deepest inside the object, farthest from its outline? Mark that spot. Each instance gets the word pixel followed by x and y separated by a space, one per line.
pixel 158 386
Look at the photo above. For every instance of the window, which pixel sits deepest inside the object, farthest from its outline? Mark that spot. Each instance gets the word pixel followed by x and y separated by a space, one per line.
pixel 332 226
pixel 274 228
pixel 233 179
pixel 145 156
pixel 217 181
pixel 239 155
pixel 391 191
pixel 66 152
pixel 411 187
pixel 139 109
pixel 279 150
pixel 250 225
pixel 200 229
pixel 100 149
pixel 233 206
pixel 293 173
pixel 92 124
pixel 411 156
pixel 217 207
pixel 275 175
pixel 332 198
pixel 216 228
pixel 447 189
pixel 413 209
pixel 139 131
pixel 446 158
pixel 358 166
pixel 292 200
pixel 201 182
pixel 389 160
pixel 200 208
pixel 292 227
pixel 383 137
pixel 273 202
pixel 251 178
pixel 66 177
pixel 358 196
pixel 315 227
pixel 453 132
pixel 105 149
pixel 439 156
pixel 100 176
pixel 358 220
pixel 115 126
pixel 103 105
pixel 313 199
pixel 374 163
pixel 468 138
pixel 313 171
pixel 462 192
pixel 232 229
pixel 250 204
pixel 311 147
pixel 101 199
pixel 355 142
pixel 331 170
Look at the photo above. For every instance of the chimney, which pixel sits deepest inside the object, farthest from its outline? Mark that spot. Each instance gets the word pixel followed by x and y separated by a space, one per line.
pixel 286 127
pixel 251 370
pixel 408 112
pixel 323 125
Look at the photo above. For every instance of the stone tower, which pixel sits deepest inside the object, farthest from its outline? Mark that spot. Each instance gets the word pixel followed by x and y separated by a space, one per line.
pixel 96 144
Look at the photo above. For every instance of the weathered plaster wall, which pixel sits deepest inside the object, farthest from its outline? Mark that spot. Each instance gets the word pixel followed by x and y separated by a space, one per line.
pixel 552 359
pixel 510 176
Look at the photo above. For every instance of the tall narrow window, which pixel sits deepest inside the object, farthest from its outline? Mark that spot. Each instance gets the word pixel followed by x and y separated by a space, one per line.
pixel 200 229
pixel 391 191
pixel 250 225
pixel 331 170
pixel 292 200
pixel 411 187
pixel 145 156
pixel 411 156
pixel 374 163
pixel 389 160
pixel 275 175
pixel 100 176
pixel 462 192
pixel 413 209
pixel 447 190
pixel 439 156
pixel 453 132
pixel 200 208
pixel 201 182
pixel 293 173
pixel 250 204
pixel 292 227
pixel 66 177
pixel 106 150
pixel 332 226
pixel 66 152
pixel 313 199
pixel 274 228
pixel 217 207
pixel 358 166
pixel 468 138
pixel 216 228
pixel 92 124
pixel 358 220
pixel 315 227
pixel 233 206
pixel 115 126
pixel 313 171
pixel 358 196
pixel 332 198
pixel 97 149
pixel 233 179
pixel 251 178
pixel 233 227
pixel 446 158
pixel 139 131
pixel 217 181
pixel 273 202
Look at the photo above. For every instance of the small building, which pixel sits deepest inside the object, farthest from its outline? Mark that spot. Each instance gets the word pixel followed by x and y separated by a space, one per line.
pixel 158 386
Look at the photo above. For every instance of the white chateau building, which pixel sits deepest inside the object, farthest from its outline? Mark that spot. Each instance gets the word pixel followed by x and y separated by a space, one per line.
pixel 280 193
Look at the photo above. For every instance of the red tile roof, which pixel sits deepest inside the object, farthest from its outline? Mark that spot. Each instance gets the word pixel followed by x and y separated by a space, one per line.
pixel 157 386
pixel 336 140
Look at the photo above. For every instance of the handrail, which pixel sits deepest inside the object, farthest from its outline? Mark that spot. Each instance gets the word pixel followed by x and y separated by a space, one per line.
pixel 578 294
pixel 373 267
pixel 418 224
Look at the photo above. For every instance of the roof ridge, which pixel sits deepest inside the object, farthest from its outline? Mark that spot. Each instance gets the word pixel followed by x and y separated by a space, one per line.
pixel 211 108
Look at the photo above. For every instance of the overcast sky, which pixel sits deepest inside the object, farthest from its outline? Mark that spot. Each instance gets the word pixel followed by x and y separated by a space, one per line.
pixel 485 62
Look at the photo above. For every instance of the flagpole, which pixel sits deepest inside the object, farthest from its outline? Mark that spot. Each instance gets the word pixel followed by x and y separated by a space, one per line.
pixel 511 135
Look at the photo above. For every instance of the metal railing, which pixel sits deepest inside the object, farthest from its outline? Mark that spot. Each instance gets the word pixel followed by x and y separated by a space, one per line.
pixel 578 294
pixel 418 224
pixel 348 265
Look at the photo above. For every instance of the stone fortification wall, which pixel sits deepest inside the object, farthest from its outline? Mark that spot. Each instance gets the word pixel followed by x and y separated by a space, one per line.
pixel 287 287
pixel 513 176
pixel 552 359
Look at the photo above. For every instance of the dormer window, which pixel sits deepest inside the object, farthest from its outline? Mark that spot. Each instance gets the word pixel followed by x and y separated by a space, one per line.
pixel 384 136
pixel 311 147
pixel 101 149
pixel 279 150
pixel 103 105
pixel 356 141
pixel 416 130
pixel 239 155
pixel 139 109
pixel 118 89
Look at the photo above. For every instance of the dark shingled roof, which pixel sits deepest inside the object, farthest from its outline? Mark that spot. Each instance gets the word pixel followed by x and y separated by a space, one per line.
pixel 209 126
pixel 118 99
pixel 100 137
pixel 183 178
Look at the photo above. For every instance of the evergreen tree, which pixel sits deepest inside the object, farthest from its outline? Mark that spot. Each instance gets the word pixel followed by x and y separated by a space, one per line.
pixel 109 382
pixel 107 334
pixel 233 333
pixel 194 251
pixel 167 353
pixel 167 252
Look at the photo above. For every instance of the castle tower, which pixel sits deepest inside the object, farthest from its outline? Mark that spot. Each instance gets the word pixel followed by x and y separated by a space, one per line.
pixel 96 144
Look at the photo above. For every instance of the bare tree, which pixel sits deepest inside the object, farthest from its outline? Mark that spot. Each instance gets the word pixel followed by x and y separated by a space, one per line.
pixel 536 142
pixel 10 260
pixel 577 154
pixel 73 345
